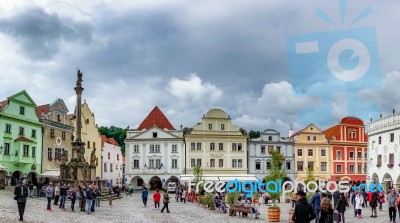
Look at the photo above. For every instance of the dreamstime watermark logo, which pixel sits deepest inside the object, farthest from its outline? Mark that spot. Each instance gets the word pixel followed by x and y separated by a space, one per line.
pixel 250 187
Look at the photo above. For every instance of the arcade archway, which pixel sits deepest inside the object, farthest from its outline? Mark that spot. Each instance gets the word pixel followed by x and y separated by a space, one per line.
pixel 172 179
pixel 155 183
pixel 387 182
pixel 137 182
pixel 32 177
pixel 15 177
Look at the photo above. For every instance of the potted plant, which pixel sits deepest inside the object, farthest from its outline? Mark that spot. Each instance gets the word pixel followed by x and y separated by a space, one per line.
pixel 231 197
pixel 275 175
pixel 208 201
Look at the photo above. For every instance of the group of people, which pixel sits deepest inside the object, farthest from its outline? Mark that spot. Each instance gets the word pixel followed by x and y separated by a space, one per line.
pixel 156 199
pixel 247 203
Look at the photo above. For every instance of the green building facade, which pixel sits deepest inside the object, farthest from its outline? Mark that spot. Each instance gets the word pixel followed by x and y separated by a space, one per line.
pixel 20 140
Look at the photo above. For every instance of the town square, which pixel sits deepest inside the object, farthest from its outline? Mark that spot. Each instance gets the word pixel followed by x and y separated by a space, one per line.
pixel 199 111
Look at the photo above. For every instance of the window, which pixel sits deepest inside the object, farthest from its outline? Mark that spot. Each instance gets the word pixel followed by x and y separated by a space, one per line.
pixel 154 134
pixel 199 162
pixel 136 148
pixel 339 168
pixel 94 145
pixel 352 135
pixel 22 110
pixel 26 150
pixel 379 160
pixel 152 148
pixel 63 135
pixel 234 148
pixel 199 146
pixel 52 133
pixel 212 162
pixel 351 169
pixel 58 117
pixel 174 148
pixel 157 148
pixel 222 127
pixel 57 154
pixel 239 146
pixel 192 146
pixel 380 140
pixel 105 167
pixel 299 152
pixel 6 148
pixel 359 155
pixel 270 149
pixel 21 131
pixel 310 165
pixel 278 148
pixel 391 137
pixel 308 138
pixel 258 165
pixel 288 165
pixel 310 152
pixel 33 152
pixel 221 146
pixel 359 169
pixel 351 155
pixel 116 167
pixel 269 138
pixel 49 153
pixel 323 152
pixel 300 166
pixel 338 154
pixel 240 163
pixel 111 167
pixel 212 146
pixel 263 149
pixel 174 163
pixel 117 156
pixel 151 164
pixel 109 155
pixel 135 164
pixel 209 126
pixel 323 166
pixel 391 158
pixel 8 128
pixel 88 144
pixel 221 163
pixel 158 163
pixel 314 138
pixel 234 163
pixel 365 168
pixel 365 155
pixel 268 165
pixel 193 162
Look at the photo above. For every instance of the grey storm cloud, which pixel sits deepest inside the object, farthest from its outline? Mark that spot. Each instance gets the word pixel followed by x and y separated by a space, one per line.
pixel 41 33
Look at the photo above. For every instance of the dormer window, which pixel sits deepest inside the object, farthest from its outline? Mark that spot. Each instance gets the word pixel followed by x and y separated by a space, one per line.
pixel 58 117
pixel 209 126
pixel 22 110
pixel 154 134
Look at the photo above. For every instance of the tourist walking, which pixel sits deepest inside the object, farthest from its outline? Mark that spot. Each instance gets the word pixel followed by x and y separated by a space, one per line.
pixel 73 199
pixel 359 201
pixel 30 187
pixel 374 203
pixel 21 193
pixel 63 195
pixel 157 198
pixel 326 211
pixel 82 201
pixel 336 197
pixel 110 196
pixel 391 198
pixel 316 205
pixel 49 195
pixel 303 212
pixel 381 200
pixel 341 207
pixel 165 201
pixel 94 194
pixel 145 195
pixel 56 194
pixel 89 199
pixel 398 205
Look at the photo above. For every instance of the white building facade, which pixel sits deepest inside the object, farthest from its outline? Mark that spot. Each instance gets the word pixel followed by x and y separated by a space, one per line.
pixel 259 158
pixel 112 161
pixel 383 151
pixel 154 153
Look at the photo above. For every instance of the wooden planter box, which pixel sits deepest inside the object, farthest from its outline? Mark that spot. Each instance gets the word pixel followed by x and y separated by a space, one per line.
pixel 274 215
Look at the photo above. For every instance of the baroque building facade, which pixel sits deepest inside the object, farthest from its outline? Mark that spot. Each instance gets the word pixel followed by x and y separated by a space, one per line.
pixel 20 140
pixel 154 153
pixel 57 136
pixel 259 157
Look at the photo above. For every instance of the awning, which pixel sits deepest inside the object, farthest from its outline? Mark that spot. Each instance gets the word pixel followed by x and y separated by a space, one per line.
pixel 222 177
pixel 51 174
pixel 3 168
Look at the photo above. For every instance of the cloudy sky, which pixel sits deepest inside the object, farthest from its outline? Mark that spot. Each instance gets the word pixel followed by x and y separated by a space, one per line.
pixel 187 57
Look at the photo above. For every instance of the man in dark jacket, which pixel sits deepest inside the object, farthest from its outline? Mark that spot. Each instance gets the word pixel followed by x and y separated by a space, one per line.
pixel 303 212
pixel 374 203
pixel 316 205
pixel 336 197
pixel 341 206
pixel 89 199
pixel 21 193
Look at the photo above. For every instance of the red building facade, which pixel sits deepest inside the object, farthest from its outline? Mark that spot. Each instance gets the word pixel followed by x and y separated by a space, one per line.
pixel 348 144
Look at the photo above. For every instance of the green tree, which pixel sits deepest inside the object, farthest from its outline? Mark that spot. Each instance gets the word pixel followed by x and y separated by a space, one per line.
pixel 243 131
pixel 276 173
pixel 310 178
pixel 254 134
pixel 119 134
pixel 198 177
pixel 187 130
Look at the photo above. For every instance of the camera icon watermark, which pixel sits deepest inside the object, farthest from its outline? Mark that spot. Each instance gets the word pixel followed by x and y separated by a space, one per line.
pixel 328 64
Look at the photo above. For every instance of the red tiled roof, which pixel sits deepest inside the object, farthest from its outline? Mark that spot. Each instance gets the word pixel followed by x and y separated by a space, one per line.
pixel 331 132
pixel 111 141
pixel 156 117
pixel 3 104
pixel 352 121
pixel 23 139
pixel 42 109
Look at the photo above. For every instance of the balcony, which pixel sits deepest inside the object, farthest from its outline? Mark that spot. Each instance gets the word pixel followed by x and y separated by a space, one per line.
pixel 24 159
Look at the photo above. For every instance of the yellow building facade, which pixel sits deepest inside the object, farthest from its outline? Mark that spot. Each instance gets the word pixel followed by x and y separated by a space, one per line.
pixel 311 151
pixel 90 136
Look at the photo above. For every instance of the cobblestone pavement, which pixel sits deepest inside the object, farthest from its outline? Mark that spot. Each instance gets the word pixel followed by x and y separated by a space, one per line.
pixel 131 209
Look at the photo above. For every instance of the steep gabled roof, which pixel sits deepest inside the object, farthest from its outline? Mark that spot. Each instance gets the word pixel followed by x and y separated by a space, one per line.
pixel 3 104
pixel 111 141
pixel 42 109
pixel 331 132
pixel 157 118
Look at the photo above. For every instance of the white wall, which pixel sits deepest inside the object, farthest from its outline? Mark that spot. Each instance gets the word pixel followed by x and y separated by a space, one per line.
pixel 116 174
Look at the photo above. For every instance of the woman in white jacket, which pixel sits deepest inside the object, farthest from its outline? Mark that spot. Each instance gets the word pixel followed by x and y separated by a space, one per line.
pixel 359 200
